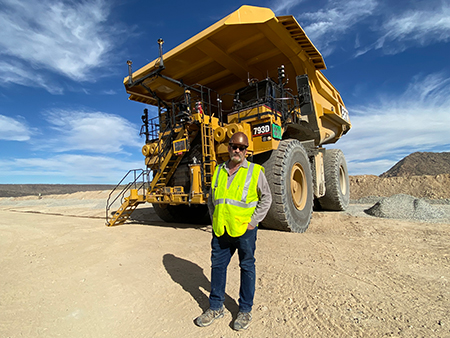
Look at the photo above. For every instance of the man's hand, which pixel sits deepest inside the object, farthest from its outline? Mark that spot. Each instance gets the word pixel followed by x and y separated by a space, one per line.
pixel 250 227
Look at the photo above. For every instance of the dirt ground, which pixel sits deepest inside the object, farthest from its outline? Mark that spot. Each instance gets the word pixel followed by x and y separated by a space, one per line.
pixel 65 274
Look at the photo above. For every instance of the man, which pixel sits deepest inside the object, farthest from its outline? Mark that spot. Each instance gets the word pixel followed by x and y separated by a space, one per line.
pixel 240 198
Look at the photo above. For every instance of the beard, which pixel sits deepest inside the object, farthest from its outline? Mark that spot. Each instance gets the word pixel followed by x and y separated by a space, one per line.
pixel 237 158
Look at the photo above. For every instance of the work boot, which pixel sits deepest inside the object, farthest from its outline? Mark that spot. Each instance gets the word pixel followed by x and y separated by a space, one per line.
pixel 208 317
pixel 242 321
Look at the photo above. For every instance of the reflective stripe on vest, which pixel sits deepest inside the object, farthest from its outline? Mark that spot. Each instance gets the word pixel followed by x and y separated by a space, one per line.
pixel 240 203
pixel 234 205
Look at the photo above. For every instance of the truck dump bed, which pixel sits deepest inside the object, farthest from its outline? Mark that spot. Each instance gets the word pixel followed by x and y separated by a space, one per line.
pixel 248 44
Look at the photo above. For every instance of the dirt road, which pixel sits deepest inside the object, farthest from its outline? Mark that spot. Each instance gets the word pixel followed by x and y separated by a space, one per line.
pixel 347 276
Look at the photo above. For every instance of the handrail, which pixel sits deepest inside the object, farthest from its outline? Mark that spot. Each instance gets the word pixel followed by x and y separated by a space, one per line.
pixel 144 175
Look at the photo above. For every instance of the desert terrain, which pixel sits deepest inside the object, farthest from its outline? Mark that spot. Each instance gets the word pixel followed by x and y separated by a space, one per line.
pixel 65 274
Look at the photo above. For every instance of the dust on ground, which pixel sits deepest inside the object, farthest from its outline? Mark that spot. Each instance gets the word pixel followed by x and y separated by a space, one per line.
pixel 64 273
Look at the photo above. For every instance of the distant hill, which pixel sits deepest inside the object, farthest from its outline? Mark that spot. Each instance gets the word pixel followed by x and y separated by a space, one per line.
pixel 420 163
pixel 17 190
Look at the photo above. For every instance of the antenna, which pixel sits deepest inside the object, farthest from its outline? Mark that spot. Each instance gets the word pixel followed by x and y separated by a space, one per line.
pixel 161 62
pixel 130 72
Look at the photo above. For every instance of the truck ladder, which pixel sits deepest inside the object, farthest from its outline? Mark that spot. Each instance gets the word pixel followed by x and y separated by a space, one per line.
pixel 208 154
pixel 170 161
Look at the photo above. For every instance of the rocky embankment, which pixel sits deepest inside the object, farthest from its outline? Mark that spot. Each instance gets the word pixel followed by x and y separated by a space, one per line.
pixel 426 186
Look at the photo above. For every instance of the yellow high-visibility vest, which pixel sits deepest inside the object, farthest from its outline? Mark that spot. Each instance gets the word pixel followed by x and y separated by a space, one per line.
pixel 234 206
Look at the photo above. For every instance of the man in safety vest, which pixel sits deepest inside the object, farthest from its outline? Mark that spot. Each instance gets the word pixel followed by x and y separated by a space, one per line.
pixel 240 198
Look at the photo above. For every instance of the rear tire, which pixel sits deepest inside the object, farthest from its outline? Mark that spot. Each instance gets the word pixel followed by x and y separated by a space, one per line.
pixel 288 172
pixel 337 187
pixel 194 214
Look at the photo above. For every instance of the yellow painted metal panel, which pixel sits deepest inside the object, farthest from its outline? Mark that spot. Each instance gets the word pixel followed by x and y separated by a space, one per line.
pixel 250 42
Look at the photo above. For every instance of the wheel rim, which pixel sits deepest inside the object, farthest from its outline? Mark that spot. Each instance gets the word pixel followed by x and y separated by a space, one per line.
pixel 299 189
pixel 342 180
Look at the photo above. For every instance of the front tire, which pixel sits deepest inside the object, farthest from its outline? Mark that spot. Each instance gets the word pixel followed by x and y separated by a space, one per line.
pixel 288 172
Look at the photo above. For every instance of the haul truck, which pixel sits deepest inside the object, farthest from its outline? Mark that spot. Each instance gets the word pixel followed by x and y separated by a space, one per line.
pixel 252 72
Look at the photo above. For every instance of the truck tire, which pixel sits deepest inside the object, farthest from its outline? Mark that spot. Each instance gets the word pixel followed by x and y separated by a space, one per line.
pixel 288 172
pixel 194 214
pixel 337 187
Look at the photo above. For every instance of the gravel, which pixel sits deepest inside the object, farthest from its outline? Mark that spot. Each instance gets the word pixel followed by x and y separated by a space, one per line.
pixel 402 206
pixel 375 199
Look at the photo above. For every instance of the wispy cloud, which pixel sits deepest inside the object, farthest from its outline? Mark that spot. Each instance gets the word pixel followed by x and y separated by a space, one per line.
pixel 66 168
pixel 13 129
pixel 415 27
pixel 94 132
pixel 109 92
pixel 391 28
pixel 331 22
pixel 394 127
pixel 15 72
pixel 80 147
pixel 65 37
pixel 283 7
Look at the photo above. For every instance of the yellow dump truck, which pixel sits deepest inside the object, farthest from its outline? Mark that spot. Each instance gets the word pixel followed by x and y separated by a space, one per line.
pixel 252 72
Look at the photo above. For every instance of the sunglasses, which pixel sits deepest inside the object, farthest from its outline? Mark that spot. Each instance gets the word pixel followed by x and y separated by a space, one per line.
pixel 241 148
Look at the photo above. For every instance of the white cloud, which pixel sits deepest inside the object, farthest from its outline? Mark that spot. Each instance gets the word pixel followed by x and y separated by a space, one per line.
pixel 332 22
pixel 109 92
pixel 66 37
pixel 13 129
pixel 82 147
pixel 67 169
pixel 416 120
pixel 283 7
pixel 94 132
pixel 415 27
pixel 15 72
pixel 392 28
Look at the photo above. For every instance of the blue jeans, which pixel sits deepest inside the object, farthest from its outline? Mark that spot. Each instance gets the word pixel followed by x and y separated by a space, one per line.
pixel 223 248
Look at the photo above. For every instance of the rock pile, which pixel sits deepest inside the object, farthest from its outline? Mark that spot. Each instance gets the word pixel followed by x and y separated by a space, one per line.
pixel 403 206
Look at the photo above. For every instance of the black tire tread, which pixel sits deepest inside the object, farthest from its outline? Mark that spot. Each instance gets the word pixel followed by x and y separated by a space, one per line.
pixel 279 217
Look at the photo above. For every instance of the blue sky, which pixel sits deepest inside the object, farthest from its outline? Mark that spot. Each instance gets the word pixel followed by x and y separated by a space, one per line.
pixel 65 116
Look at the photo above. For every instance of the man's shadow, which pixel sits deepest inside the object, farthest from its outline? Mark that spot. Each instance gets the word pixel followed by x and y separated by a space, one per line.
pixel 191 278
